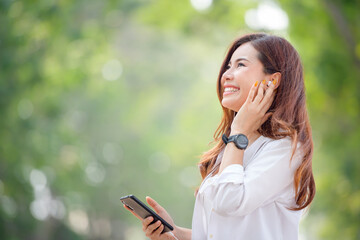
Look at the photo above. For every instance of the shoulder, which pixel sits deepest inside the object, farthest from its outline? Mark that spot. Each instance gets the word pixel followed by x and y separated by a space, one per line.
pixel 286 142
pixel 283 146
pixel 269 144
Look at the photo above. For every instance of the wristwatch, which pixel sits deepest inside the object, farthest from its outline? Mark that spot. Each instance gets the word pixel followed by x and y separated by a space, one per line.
pixel 240 140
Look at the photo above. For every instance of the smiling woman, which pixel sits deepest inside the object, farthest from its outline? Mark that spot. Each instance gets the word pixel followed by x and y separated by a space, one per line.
pixel 258 177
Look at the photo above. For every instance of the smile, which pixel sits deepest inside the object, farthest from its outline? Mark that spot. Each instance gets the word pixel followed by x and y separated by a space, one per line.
pixel 230 89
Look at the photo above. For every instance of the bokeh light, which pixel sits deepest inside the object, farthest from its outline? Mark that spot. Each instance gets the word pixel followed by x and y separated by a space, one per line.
pixel 112 70
pixel 79 221
pixel 267 16
pixel 95 173
pixel 38 179
pixel 201 5
pixel 9 206
pixel 25 108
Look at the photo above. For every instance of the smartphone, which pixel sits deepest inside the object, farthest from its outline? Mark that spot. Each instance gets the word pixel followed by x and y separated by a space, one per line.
pixel 144 211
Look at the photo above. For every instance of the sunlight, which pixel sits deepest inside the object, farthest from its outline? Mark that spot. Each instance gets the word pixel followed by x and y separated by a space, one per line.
pixel 268 16
pixel 201 5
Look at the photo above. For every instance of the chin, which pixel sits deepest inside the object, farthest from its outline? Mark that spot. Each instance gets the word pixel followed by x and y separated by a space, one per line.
pixel 230 106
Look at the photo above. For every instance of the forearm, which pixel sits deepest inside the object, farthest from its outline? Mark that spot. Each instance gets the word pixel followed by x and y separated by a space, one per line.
pixel 232 155
pixel 182 233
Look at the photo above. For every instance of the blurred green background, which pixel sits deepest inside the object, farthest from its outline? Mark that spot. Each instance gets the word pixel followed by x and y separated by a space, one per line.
pixel 100 99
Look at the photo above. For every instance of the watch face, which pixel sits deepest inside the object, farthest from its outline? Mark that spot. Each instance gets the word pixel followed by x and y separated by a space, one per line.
pixel 241 141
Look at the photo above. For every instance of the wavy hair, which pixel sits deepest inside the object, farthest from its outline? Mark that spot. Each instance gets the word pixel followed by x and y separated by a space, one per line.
pixel 289 118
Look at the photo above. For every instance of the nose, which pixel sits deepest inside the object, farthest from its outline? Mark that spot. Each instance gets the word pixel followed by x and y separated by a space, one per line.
pixel 227 75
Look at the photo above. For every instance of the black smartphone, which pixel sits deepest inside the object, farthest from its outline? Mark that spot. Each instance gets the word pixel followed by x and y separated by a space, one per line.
pixel 144 211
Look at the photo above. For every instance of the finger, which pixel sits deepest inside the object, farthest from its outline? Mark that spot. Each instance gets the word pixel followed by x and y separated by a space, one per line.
pixel 265 105
pixel 252 92
pixel 260 92
pixel 158 231
pixel 133 213
pixel 269 92
pixel 266 117
pixel 154 204
pixel 268 97
pixel 270 82
pixel 151 228
pixel 146 222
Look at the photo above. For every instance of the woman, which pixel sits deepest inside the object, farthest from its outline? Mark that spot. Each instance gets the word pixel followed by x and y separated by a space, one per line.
pixel 258 177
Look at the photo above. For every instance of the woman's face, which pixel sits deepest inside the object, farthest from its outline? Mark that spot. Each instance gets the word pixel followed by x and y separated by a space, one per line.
pixel 243 70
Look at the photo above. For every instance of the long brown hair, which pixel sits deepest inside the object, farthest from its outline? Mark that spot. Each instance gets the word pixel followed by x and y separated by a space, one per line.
pixel 289 116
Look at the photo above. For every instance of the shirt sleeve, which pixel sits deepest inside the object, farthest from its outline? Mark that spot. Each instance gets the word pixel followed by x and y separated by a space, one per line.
pixel 238 191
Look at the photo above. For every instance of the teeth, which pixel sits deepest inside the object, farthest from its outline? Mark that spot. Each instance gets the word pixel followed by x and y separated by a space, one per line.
pixel 230 89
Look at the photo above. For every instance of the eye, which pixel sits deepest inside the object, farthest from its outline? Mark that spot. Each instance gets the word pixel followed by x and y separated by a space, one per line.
pixel 240 64
pixel 227 67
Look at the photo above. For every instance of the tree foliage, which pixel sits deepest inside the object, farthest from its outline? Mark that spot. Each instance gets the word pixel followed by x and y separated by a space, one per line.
pixel 100 99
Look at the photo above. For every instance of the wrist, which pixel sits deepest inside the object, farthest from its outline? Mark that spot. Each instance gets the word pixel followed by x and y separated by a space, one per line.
pixel 251 136
pixel 239 131
pixel 182 233
pixel 177 231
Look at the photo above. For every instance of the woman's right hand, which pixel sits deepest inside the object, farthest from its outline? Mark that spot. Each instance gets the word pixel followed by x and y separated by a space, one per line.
pixel 253 113
pixel 154 230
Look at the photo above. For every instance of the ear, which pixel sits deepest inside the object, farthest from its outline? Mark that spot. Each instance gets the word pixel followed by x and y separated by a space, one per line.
pixel 276 78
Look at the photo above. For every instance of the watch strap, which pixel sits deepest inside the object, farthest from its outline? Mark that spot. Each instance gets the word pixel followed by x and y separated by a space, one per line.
pixel 235 139
pixel 225 139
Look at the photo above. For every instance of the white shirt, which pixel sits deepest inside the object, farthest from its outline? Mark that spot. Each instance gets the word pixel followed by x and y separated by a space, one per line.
pixel 250 202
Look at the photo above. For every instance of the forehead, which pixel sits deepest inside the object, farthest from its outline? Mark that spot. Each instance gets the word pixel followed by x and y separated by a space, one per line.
pixel 247 51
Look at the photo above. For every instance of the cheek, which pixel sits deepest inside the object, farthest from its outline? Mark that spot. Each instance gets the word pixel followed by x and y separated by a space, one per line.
pixel 247 90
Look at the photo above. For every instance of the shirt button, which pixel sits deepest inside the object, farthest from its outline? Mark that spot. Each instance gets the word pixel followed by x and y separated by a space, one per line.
pixel 210 235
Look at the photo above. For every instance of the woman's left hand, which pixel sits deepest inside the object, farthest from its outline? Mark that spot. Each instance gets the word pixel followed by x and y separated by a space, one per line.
pixel 154 230
pixel 252 113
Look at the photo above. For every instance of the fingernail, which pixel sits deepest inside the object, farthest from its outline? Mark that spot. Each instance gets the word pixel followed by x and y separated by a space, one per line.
pixel 256 83
pixel 274 81
pixel 263 81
